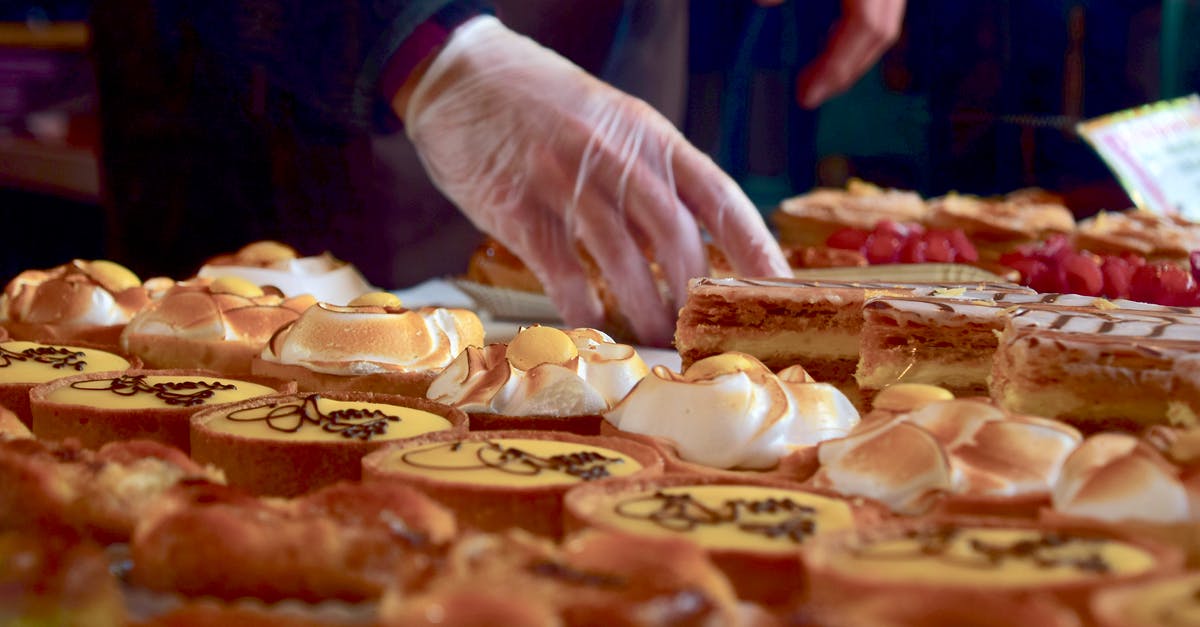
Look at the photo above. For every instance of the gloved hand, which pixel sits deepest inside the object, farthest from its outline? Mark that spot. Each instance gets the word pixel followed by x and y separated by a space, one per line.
pixel 568 172
pixel 866 29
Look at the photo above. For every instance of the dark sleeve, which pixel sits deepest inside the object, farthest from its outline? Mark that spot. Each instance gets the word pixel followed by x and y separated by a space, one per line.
pixel 328 55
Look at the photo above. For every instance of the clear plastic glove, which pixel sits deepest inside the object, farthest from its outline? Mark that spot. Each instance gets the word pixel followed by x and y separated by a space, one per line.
pixel 578 178
pixel 865 31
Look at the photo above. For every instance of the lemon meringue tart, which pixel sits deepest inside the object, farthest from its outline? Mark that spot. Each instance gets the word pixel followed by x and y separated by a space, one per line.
pixel 25 365
pixel 494 480
pixel 290 444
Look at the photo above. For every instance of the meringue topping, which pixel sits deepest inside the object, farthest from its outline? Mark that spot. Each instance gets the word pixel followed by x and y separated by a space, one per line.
pixel 731 411
pixel 1115 477
pixel 324 276
pixel 79 293
pixel 543 371
pixel 379 336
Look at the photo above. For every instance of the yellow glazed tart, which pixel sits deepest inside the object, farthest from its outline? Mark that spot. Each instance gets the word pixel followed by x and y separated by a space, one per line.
pixel 946 556
pixel 291 444
pixel 24 365
pixel 499 479
pixel 147 404
pixel 751 529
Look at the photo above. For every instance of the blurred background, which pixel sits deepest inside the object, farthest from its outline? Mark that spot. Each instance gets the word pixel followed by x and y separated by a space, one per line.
pixel 108 114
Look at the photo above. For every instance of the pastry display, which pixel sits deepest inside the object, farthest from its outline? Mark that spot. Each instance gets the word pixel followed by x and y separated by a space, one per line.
pixel 212 324
pixel 1108 369
pixel 809 219
pixel 545 378
pixel 494 480
pixel 102 494
pixel 291 444
pixel 25 365
pixel 81 301
pixel 373 344
pixel 1005 559
pixel 104 407
pixel 345 541
pixel 959 455
pixel 324 277
pixel 751 528
pixel 777 415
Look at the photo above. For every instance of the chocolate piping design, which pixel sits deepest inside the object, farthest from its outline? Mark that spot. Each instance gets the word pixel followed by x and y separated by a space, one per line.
pixel 292 417
pixel 983 555
pixel 185 393
pixel 683 513
pixel 57 357
pixel 584 465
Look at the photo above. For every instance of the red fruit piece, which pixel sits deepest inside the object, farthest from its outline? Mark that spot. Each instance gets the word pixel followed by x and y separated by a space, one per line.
pixel 964 250
pixel 1194 261
pixel 848 239
pixel 1051 279
pixel 1146 285
pixel 913 250
pixel 883 248
pixel 1029 268
pixel 1118 274
pixel 1055 248
pixel 1176 286
pixel 1082 274
pixel 890 227
pixel 937 247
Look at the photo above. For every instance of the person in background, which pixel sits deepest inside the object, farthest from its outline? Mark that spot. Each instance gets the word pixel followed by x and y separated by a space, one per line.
pixel 580 179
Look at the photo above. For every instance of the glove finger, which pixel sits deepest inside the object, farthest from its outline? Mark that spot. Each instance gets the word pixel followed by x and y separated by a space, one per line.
pixel 731 219
pixel 544 246
pixel 604 234
pixel 661 217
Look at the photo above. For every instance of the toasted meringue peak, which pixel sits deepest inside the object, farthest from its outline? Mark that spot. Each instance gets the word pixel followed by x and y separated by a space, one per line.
pixel 194 310
pixel 1115 477
pixel 76 294
pixel 906 397
pixel 236 286
pixel 265 263
pixel 896 463
pixel 988 452
pixel 730 411
pixel 537 345
pixel 539 374
pixel 386 300
pixel 368 339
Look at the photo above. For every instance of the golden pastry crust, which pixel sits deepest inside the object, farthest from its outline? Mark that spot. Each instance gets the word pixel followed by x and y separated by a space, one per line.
pixel 283 467
pixel 493 264
pixel 1165 602
pixel 535 508
pixel 345 541
pixel 99 493
pixel 767 576
pixel 1145 233
pixel 57 579
pixel 992 221
pixel 94 426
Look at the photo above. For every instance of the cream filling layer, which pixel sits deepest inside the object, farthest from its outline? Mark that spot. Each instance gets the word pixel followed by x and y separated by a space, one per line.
pixel 157 392
pixel 726 516
pixel 317 419
pixel 30 362
pixel 992 558
pixel 515 462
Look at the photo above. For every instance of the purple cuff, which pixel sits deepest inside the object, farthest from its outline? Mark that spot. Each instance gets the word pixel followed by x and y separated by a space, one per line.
pixel 427 37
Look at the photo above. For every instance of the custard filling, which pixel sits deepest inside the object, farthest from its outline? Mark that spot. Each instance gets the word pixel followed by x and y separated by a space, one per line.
pixel 988 557
pixel 727 516
pixel 30 362
pixel 156 392
pixel 512 462
pixel 314 418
